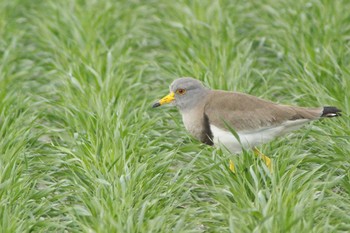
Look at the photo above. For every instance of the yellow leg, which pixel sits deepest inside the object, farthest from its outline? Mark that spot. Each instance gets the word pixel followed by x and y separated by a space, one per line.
pixel 266 159
pixel 232 166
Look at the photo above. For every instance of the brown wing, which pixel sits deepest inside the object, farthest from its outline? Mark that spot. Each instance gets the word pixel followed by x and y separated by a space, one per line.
pixel 246 112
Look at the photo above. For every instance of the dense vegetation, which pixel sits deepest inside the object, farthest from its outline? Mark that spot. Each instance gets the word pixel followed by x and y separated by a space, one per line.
pixel 83 151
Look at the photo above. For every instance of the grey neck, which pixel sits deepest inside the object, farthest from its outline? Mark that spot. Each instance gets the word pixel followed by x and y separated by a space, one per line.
pixel 195 101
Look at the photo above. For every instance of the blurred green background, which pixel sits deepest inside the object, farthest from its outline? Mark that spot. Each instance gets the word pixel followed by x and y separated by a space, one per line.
pixel 81 149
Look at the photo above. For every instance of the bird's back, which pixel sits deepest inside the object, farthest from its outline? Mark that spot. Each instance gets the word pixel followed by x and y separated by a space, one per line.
pixel 246 112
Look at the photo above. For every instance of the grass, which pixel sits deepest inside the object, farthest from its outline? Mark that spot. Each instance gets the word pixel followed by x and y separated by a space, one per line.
pixel 82 150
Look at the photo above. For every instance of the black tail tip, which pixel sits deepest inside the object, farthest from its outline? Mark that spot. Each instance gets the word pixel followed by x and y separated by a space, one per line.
pixel 330 111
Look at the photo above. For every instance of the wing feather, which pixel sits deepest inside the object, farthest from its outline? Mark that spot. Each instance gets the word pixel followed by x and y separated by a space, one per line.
pixel 246 112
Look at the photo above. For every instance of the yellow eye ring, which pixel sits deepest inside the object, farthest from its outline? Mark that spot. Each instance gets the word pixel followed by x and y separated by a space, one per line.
pixel 180 91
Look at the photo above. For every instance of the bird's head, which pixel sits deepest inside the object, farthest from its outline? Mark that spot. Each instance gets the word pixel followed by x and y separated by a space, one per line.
pixel 184 93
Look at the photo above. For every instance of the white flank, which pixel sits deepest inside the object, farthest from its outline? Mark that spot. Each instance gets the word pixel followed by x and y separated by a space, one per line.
pixel 253 137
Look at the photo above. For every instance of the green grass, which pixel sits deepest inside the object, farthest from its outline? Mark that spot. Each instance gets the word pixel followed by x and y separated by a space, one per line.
pixel 83 151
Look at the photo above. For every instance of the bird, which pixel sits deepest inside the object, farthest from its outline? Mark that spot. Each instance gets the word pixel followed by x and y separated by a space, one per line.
pixel 237 121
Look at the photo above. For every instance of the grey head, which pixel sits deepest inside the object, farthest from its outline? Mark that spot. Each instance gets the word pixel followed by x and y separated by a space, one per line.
pixel 185 93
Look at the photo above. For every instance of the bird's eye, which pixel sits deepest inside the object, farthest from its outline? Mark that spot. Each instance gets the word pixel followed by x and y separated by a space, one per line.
pixel 181 91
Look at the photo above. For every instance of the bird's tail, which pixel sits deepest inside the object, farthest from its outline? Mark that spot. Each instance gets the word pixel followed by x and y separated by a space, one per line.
pixel 330 111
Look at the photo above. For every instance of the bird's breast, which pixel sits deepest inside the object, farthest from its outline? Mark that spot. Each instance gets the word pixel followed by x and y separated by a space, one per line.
pixel 193 123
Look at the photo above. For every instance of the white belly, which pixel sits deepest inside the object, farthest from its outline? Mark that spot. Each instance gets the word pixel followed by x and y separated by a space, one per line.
pixel 249 139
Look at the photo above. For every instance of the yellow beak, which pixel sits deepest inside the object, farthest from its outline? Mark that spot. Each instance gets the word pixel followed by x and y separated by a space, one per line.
pixel 165 100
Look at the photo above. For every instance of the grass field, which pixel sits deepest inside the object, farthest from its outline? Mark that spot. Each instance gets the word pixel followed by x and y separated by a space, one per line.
pixel 83 151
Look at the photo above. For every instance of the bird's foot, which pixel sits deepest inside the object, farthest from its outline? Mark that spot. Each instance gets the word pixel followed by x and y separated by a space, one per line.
pixel 266 159
pixel 232 166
